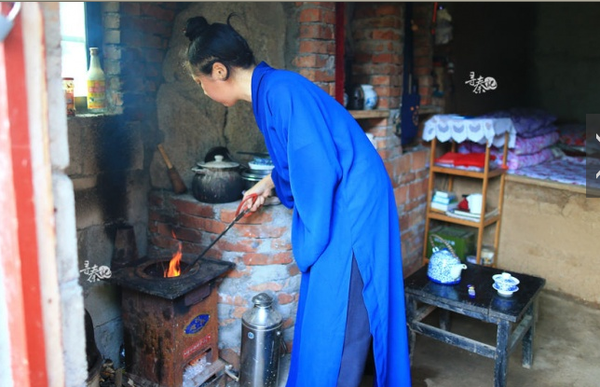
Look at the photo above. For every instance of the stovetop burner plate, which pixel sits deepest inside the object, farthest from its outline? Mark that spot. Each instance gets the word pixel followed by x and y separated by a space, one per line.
pixel 206 270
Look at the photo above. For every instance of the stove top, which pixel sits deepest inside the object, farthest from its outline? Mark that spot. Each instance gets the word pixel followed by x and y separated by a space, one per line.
pixel 144 275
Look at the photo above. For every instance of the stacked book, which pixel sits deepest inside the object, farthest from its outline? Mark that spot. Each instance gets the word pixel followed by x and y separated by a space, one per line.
pixel 444 201
pixel 456 213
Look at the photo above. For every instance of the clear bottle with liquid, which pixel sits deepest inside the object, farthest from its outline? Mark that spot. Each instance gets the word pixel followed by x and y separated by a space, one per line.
pixel 96 86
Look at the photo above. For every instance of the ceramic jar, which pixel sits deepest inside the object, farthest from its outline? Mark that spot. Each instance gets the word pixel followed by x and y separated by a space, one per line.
pixel 370 97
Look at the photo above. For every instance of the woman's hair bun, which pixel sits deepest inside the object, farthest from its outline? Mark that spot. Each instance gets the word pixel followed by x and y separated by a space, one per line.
pixel 195 27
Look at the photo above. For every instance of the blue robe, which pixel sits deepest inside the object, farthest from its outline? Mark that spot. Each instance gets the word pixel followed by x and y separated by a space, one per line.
pixel 343 203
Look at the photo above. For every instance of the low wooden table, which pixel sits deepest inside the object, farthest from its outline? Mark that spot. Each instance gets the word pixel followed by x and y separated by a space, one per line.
pixel 423 296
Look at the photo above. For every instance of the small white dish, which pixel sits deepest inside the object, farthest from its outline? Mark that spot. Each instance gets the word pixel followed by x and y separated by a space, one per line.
pixel 505 293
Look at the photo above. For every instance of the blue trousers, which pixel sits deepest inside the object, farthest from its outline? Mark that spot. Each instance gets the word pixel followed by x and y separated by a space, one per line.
pixel 357 342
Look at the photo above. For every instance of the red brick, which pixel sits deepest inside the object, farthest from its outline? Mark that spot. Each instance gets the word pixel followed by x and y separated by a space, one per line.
pixel 241 245
pixel 204 224
pixel 164 229
pixel 387 9
pixel 188 234
pixel 156 11
pixel 425 90
pixel 419 159
pixel 236 273
pixel 401 194
pixel 160 241
pixel 386 58
pixel 316 31
pixel 316 47
pixel 192 248
pixel 386 22
pixel 193 207
pixel 272 286
pixel 423 62
pixel 386 34
pixel 260 231
pixel 403 223
pixel 426 100
pixel 157 216
pixel 285 298
pixel 281 244
pixel 132 9
pixel 238 312
pixel 293 270
pixel 268 259
pixel 232 300
pixel 415 190
pixel 261 216
pixel 311 60
pixel 422 71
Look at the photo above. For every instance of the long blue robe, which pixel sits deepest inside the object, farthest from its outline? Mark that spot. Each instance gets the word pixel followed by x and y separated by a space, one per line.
pixel 343 203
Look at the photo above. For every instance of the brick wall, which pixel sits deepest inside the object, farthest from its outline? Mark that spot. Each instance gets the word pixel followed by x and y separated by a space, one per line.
pixel 316 56
pixel 423 50
pixel 136 36
pixel 377 31
pixel 377 34
pixel 260 246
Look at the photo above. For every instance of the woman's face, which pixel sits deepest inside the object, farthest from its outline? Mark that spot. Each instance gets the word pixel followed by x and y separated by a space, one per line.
pixel 216 87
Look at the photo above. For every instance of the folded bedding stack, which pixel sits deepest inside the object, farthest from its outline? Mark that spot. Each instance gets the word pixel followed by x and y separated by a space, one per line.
pixel 536 136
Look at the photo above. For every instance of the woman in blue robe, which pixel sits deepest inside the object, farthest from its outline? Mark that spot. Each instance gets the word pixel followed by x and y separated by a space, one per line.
pixel 345 226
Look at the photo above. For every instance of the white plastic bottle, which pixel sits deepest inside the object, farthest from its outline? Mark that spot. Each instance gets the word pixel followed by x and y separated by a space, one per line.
pixel 96 94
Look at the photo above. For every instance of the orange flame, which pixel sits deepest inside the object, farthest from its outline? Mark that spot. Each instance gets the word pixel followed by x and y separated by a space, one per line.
pixel 174 269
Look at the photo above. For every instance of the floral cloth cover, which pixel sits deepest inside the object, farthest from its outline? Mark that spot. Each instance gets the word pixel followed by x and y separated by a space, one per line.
pixel 446 127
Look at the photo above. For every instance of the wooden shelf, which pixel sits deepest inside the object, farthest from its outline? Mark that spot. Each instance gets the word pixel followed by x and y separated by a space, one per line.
pixel 465 222
pixel 430 109
pixel 363 114
pixel 466 172
pixel 493 217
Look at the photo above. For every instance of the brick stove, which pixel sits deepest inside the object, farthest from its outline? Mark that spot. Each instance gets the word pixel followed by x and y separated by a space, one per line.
pixel 259 246
pixel 170 325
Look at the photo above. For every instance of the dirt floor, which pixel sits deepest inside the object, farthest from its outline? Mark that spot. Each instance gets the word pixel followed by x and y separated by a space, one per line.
pixel 566 352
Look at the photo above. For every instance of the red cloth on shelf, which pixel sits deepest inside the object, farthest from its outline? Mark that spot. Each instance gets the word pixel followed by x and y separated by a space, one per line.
pixel 474 159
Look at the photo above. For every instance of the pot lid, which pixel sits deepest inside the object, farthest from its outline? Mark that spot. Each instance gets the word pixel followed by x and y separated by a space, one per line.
pixel 219 163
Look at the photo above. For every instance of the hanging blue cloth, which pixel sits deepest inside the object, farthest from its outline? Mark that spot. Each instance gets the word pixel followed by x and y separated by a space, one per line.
pixel 329 173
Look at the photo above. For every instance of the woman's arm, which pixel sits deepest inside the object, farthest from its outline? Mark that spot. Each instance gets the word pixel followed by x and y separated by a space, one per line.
pixel 263 189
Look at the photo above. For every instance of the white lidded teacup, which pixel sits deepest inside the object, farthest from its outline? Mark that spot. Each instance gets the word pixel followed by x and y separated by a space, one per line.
pixel 505 283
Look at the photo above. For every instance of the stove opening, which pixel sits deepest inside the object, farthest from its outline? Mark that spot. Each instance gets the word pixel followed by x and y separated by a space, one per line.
pixel 199 371
pixel 159 268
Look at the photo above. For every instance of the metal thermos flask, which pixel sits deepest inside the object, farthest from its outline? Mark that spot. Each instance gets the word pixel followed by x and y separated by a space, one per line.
pixel 262 341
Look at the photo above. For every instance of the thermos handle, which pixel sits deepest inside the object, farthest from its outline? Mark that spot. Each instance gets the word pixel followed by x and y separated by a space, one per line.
pixel 282 345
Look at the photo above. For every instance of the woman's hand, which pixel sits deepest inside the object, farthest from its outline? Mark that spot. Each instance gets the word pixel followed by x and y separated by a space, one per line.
pixel 263 189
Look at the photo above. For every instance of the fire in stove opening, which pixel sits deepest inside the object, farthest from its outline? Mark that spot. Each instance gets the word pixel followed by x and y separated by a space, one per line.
pixel 174 269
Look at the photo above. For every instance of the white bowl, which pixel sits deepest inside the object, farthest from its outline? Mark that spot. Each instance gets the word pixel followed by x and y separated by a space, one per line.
pixel 505 293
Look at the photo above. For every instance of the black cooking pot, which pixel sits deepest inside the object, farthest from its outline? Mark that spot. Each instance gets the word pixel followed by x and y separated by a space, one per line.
pixel 218 181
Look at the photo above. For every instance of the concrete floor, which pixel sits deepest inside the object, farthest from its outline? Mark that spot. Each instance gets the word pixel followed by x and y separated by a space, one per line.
pixel 566 352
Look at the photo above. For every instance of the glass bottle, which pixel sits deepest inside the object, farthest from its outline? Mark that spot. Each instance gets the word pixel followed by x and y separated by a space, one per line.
pixel 96 94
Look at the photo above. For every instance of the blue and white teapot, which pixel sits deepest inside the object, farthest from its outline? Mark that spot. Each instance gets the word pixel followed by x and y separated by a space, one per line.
pixel 444 266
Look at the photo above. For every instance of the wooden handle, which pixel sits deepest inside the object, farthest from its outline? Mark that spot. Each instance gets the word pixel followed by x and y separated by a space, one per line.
pixel 165 157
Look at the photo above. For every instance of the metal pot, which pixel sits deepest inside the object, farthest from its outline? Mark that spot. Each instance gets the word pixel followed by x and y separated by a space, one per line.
pixel 218 181
pixel 251 177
